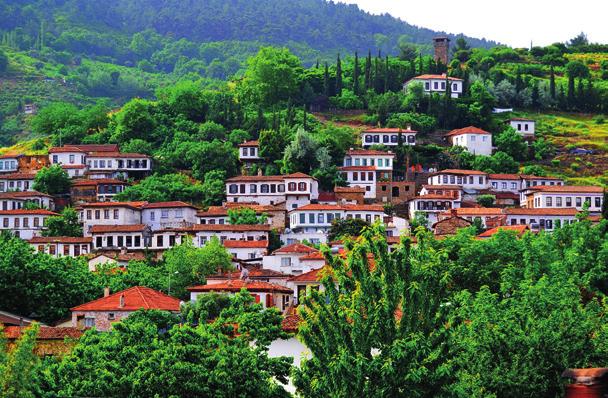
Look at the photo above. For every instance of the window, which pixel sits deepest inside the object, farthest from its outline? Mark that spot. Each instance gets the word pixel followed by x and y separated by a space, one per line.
pixel 273 188
pixel 233 188
pixel 558 201
pixel 385 139
pixel 285 261
pixel 36 222
pixel 99 241
pixel 549 201
pixel 311 218
pixel 88 214
pixel 598 202
pixel 394 139
pixel 72 159
pixel 97 214
pixel 89 322
pixel 242 188
pixel 568 202
pixel 164 213
pixel 106 214
pixel 503 185
pixel 264 188
pixel 435 85
pixel 321 218
pixel 152 215
pixel 253 188
pixel 160 240
pixel 302 218
pixel 179 213
pixel 17 222
pixel 370 175
pixel 427 86
pixel 120 241
pixel 526 126
pixel 481 180
pixel 495 185
pixel 579 202
pixel 116 212
pixel 111 316
pixel 138 240
pixel 330 217
pixel 281 187
pixel 55 159
pixel 513 185
pixel 26 222
pixel 518 126
pixel 302 186
pixel 355 176
pixel 110 241
pixel 454 87
pixel 129 241
pixel 473 138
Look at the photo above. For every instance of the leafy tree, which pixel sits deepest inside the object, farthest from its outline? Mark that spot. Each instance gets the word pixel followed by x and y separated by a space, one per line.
pixel 512 143
pixel 18 367
pixel 67 224
pixel 579 40
pixel 346 227
pixel 54 117
pixel 210 131
pixel 134 120
pixel 52 180
pixel 338 76
pixel 245 215
pixel 137 145
pixel 605 205
pixel 238 136
pixel 273 143
pixel 301 153
pixel 387 334
pixel 214 187
pixel 164 188
pixel 185 98
pixel 206 307
pixel 272 76
pixel 534 170
pixel 149 354
pixel 211 156
pixel 486 200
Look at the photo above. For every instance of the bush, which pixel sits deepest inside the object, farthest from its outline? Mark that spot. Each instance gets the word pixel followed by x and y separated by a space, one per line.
pixel 555 162
pixel 575 166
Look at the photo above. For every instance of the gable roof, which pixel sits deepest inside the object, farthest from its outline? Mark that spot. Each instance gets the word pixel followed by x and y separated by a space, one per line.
pixel 102 229
pixel 518 229
pixel 431 76
pixel 18 176
pixel 504 176
pixel 567 188
pixel 44 333
pixel 295 248
pixel 250 143
pixel 134 299
pixel 315 206
pixel 390 130
pixel 22 194
pixel 131 205
pixel 245 244
pixel 167 205
pixel 23 212
pixel 60 239
pixel 467 130
pixel 312 276
pixel 237 284
pixel 83 182
pixel 564 211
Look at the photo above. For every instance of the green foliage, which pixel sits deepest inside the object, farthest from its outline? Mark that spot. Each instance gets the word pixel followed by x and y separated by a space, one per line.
pixel 134 121
pixel 300 154
pixel 52 180
pixel 534 170
pixel 486 200
pixel 67 224
pixel 188 265
pixel 164 188
pixel 245 215
pixel 150 354
pixel 3 62
pixel 18 368
pixel 512 143
pixel 346 227
pixel 273 143
pixel 347 100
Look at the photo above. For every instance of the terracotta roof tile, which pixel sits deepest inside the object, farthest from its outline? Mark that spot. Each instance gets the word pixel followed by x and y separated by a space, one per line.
pixel 165 205
pixel 460 172
pixel 312 276
pixel 249 143
pixel 134 298
pixel 314 206
pixel 133 205
pixel 354 152
pixel 296 248
pixel 22 194
pixel 541 212
pixel 467 130
pixel 22 212
pixel 45 333
pixel 60 239
pixel 440 77
pixel 358 168
pixel 391 130
pixel 518 229
pixel 567 188
pixel 254 273
pixel 245 244
pixel 102 229
pixel 237 284
pixel 229 227
pixel 97 181
pixel 18 176
pixel 504 176
pixel 478 211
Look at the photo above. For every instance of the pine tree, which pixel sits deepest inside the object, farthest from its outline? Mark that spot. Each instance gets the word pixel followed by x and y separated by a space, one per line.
pixel 338 76
pixel 356 75
pixel 420 66
pixel 581 101
pixel 571 96
pixel 377 75
pixel 552 83
pixel 326 89
pixel 386 75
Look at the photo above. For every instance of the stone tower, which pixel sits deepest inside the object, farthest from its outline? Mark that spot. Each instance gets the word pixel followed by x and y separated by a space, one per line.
pixel 442 49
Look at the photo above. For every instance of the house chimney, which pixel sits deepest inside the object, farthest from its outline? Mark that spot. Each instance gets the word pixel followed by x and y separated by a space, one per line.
pixel 259 172
pixel 409 127
pixel 121 304
pixel 106 291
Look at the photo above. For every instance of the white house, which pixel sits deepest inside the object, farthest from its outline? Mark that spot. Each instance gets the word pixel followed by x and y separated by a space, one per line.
pixel 59 246
pixel 9 163
pixel 18 199
pixel 388 136
pixel 362 177
pixel 67 156
pixel 204 232
pixel 110 214
pixel 249 151
pixel 119 237
pixel 246 249
pixel 293 259
pixel 432 204
pixel 473 139
pixel 295 189
pixel 24 223
pixel 114 164
pixel 17 182
pixel 504 183
pixel 470 181
pixel 304 283
pixel 265 293
pixel 161 215
pixel 525 127
pixel 540 218
pixel 437 84
pixel 563 196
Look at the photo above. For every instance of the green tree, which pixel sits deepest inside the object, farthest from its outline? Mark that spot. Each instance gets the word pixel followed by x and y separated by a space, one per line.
pixel 273 142
pixel 18 368
pixel 346 227
pixel 486 200
pixel 54 117
pixel 3 62
pixel 134 120
pixel 605 205
pixel 67 224
pixel 52 180
pixel 338 76
pixel 214 187
pixel 164 188
pixel 301 153
pixel 185 98
pixel 356 74
pixel 245 215
pixel 272 76
pixel 512 143
pixel 534 170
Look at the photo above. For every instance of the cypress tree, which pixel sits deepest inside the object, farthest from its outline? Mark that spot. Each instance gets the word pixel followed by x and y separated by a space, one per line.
pixel 519 83
pixel 581 101
pixel 571 91
pixel 420 66
pixel 552 83
pixel 317 66
pixel 326 81
pixel 368 69
pixel 535 95
pixel 386 75
pixel 356 75
pixel 338 76
pixel 377 75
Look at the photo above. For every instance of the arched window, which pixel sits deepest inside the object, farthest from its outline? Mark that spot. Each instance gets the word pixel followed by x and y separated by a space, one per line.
pixel 302 186
pixel 281 187
pixel 291 186
pixel 253 188
pixel 394 138
pixel 264 188
pixel 233 188
pixel 368 138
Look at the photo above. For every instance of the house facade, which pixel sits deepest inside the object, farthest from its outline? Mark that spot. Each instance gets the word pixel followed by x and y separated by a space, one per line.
pixel 437 84
pixel 96 190
pixel 17 182
pixel 473 139
pixel 525 127
pixel 563 196
pixel 293 259
pixel 62 246
pixel 18 199
pixel 24 224
pixel 162 215
pixel 265 293
pixel 388 136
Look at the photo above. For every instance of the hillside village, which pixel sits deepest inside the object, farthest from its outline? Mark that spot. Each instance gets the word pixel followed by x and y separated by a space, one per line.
pixel 326 201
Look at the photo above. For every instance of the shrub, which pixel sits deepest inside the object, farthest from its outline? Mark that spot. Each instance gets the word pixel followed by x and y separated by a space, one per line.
pixel 555 162
pixel 575 166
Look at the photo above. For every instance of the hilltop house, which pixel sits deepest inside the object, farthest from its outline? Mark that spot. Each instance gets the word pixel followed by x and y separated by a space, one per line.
pixel 438 84
pixel 563 196
pixel 24 223
pixel 59 246
pixel 388 136
pixel 473 139
pixel 525 127
pixel 265 293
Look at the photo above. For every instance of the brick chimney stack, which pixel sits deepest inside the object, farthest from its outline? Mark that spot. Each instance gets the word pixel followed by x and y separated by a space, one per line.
pixel 442 49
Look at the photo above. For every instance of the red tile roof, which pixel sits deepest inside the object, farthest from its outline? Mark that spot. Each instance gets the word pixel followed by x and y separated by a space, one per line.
pixel 97 181
pixel 314 206
pixel 298 175
pixel 443 187
pixel 255 178
pixel 116 256
pixel 254 273
pixel 97 147
pixel 518 229
pixel 65 149
pixel 567 188
pixel 11 156
pixel 315 256
pixel 478 211
pixel 531 177
pixel 22 212
pixel 18 176
pixel 250 143
pixel 467 130
pixel 327 197
pixel 541 212
pixel 521 119
pixel 229 227
pixel 504 176
pixel 354 152
pixel 60 239
pixel 311 276
pixel 349 190
pixel 291 322
pixel 296 248
pixel 45 333
pixel 460 172
pixel 134 298
pixel 391 130
pixel 245 244
pixel 73 166
pixel 435 196
pixel 103 229
pixel 22 194
pixel 132 205
pixel 237 284
pixel 440 77
pixel 166 205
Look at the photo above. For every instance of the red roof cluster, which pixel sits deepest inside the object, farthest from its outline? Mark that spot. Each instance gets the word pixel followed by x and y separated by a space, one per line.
pixel 296 248
pixel 132 299
pixel 237 284
pixel 23 212
pixel 103 229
